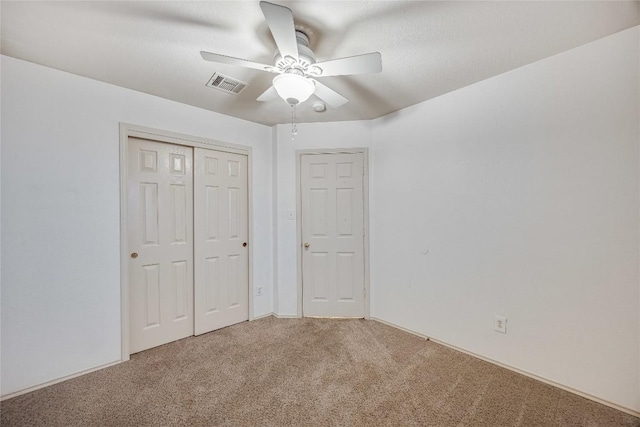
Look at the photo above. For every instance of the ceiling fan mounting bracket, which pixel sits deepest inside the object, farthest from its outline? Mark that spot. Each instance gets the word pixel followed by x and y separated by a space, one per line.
pixel 302 38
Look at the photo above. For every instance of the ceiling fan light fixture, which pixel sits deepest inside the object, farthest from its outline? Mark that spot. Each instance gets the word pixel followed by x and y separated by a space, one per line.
pixel 293 88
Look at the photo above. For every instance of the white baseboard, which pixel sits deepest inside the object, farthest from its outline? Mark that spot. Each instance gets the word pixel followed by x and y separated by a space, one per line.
pixel 262 316
pixel 277 316
pixel 286 316
pixel 57 380
pixel 517 370
pixel 393 325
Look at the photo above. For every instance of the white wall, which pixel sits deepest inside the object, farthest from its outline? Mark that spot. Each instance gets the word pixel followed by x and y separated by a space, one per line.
pixel 524 191
pixel 310 136
pixel 60 214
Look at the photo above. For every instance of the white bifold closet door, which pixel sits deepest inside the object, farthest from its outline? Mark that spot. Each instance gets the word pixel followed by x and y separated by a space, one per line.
pixel 160 225
pixel 187 234
pixel 221 245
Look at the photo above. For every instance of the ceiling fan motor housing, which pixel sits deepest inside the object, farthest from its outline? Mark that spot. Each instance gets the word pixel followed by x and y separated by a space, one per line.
pixel 305 62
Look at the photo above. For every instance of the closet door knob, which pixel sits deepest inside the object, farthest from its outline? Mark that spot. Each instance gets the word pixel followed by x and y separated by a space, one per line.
pixel 244 245
pixel 134 255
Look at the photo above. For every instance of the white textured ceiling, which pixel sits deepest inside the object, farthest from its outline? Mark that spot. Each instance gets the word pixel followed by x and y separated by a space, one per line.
pixel 428 48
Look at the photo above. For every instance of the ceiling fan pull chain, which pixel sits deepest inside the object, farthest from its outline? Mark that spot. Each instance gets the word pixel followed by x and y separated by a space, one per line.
pixel 294 127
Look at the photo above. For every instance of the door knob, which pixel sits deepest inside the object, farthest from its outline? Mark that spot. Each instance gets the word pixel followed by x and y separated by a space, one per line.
pixel 134 255
pixel 306 246
pixel 244 245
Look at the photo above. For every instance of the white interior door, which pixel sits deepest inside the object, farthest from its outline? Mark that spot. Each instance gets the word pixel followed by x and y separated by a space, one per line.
pixel 332 235
pixel 221 251
pixel 160 220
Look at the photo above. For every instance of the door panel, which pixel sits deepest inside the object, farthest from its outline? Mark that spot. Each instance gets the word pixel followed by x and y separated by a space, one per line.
pixel 333 227
pixel 212 218
pixel 222 262
pixel 181 285
pixel 149 211
pixel 160 220
pixel 319 276
pixel 151 300
pixel 179 213
pixel 344 271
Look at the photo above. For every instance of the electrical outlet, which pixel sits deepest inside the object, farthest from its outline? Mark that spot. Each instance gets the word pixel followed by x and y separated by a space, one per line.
pixel 500 324
pixel 259 291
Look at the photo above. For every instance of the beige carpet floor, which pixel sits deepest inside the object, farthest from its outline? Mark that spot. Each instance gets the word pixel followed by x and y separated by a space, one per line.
pixel 305 372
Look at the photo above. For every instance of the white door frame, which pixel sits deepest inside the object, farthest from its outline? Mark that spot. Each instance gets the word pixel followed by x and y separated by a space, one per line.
pixel 129 130
pixel 365 194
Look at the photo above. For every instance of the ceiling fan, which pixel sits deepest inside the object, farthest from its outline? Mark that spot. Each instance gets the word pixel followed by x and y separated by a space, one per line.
pixel 295 63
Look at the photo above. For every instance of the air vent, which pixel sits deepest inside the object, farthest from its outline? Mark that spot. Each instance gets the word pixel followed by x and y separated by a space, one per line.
pixel 226 84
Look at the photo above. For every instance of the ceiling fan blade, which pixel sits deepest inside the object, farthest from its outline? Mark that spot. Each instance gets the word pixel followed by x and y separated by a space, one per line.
pixel 224 59
pixel 268 95
pixel 329 96
pixel 359 64
pixel 280 22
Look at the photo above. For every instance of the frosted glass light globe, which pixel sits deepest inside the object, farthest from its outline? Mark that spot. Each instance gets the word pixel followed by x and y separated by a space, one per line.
pixel 293 88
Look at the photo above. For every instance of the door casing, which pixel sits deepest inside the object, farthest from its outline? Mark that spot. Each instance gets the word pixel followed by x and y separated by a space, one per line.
pixel 130 130
pixel 365 193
